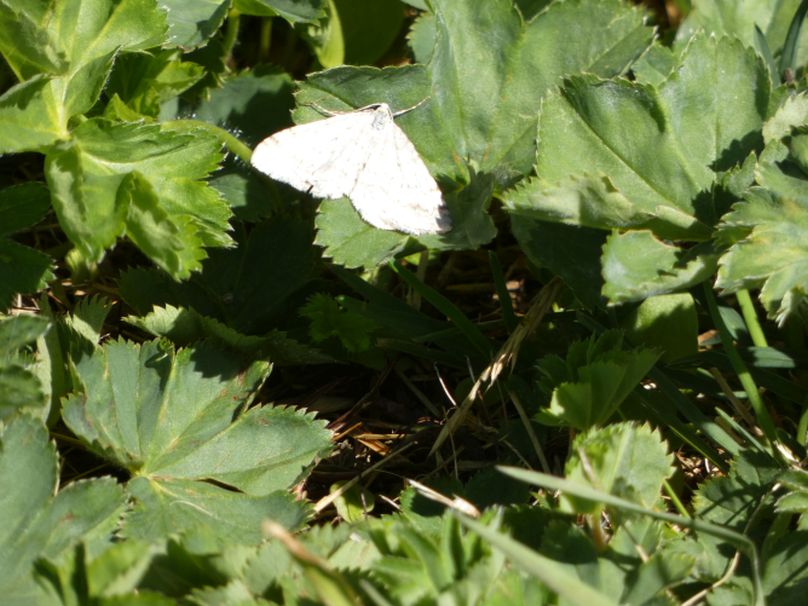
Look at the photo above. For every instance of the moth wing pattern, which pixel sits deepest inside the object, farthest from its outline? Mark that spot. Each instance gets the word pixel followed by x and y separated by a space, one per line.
pixel 365 156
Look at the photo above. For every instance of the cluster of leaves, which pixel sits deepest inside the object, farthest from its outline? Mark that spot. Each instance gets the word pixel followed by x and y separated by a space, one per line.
pixel 633 169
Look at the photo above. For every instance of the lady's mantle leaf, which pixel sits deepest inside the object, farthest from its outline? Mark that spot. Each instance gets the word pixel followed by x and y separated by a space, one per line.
pixel 247 287
pixel 112 180
pixel 22 269
pixel 294 11
pixel 37 523
pixel 169 420
pixel 594 380
pixel 623 459
pixel 739 18
pixel 75 31
pixel 485 97
pixel 746 493
pixel 191 24
pixel 62 74
pixel 637 265
pixel 768 229
pixel 773 253
pixel 663 148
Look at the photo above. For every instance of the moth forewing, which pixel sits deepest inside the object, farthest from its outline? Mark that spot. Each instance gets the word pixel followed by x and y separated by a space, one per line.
pixel 364 156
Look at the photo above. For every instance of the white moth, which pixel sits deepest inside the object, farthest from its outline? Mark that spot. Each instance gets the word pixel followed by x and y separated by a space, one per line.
pixel 362 155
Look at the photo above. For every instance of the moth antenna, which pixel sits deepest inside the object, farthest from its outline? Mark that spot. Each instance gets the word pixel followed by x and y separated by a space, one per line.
pixel 401 112
pixel 322 110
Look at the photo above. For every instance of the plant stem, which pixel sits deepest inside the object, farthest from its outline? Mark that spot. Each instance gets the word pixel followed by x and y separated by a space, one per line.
pixel 744 376
pixel 231 32
pixel 750 318
pixel 233 144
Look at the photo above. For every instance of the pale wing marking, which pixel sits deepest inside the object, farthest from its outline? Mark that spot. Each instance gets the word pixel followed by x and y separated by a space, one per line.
pixel 395 189
pixel 318 157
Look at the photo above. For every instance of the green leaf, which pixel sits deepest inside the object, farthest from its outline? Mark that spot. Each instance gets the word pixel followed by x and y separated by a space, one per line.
pixel 652 577
pixel 655 66
pixel 30 116
pixel 98 197
pixel 20 390
pixel 733 501
pixel 665 322
pixel 485 97
pixel 235 592
pixel 738 18
pixel 326 38
pixel 784 571
pixel 186 326
pixel 171 242
pixel 247 287
pixel 24 43
pixel 112 577
pixel 680 133
pixel 792 113
pixel 18 331
pixel 622 459
pixel 772 215
pixel 773 255
pixel 22 206
pixel 20 387
pixel 355 503
pixel 591 202
pixel 165 506
pixel 547 570
pixel 594 380
pixel 795 500
pixel 351 242
pixel 357 17
pixel 192 24
pixel 35 113
pixel 22 270
pixel 255 102
pixel 129 392
pixel 106 26
pixel 39 524
pixel 294 11
pixel 637 265
pixel 573 253
pixel 88 317
pixel 328 320
pixel 434 563
pixel 144 81
pixel 660 176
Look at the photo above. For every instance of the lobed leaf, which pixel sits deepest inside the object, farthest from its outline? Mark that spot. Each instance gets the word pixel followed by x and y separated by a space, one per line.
pixel 39 523
pixel 486 97
pixel 739 18
pixel 772 255
pixel 104 184
pixel 637 265
pixel 623 459
pixel 294 11
pixel 175 422
pixel 192 24
pixel 246 287
pixel 594 380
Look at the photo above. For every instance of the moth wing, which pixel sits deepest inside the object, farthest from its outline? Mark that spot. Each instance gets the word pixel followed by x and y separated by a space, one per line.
pixel 323 158
pixel 396 191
